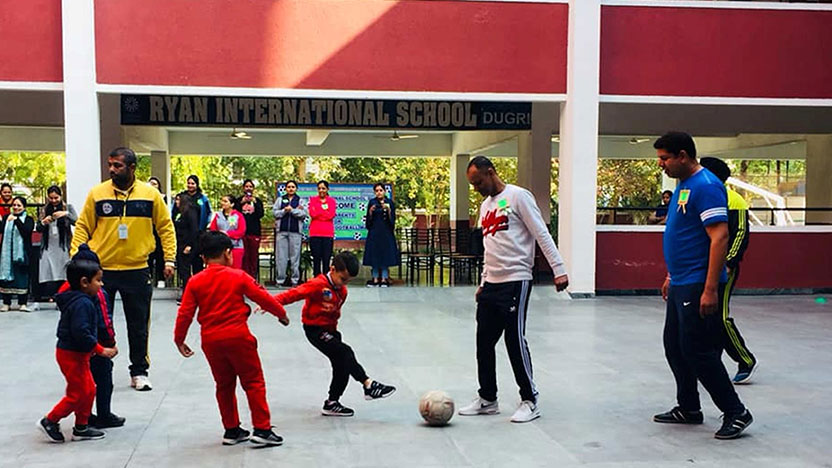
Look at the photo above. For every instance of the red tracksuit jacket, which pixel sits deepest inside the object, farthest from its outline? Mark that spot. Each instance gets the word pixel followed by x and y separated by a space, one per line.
pixel 317 291
pixel 219 293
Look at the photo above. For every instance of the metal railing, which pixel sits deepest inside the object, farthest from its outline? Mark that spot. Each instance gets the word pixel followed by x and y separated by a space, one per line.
pixel 762 216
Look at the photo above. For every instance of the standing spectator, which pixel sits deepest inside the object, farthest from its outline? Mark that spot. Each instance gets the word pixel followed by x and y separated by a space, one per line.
pixel 203 207
pixel 289 213
pixel 252 209
pixel 321 228
pixel 117 222
pixel 511 225
pixel 695 246
pixel 156 261
pixel 56 227
pixel 660 215
pixel 380 249
pixel 17 229
pixel 6 193
pixel 186 224
pixel 232 223
pixel 738 232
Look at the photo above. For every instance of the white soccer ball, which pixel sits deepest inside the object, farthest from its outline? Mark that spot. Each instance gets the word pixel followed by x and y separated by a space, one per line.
pixel 436 407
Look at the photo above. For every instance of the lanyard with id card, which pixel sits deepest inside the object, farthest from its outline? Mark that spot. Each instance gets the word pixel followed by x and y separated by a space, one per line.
pixel 122 226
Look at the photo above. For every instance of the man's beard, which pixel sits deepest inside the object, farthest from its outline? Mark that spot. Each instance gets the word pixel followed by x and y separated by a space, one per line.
pixel 120 180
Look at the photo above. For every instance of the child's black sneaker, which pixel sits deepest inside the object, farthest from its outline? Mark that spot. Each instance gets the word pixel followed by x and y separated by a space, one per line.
pixel 372 284
pixel 52 430
pixel 732 426
pixel 378 390
pixel 235 436
pixel 335 408
pixel 266 438
pixel 86 433
pixel 106 422
pixel 679 416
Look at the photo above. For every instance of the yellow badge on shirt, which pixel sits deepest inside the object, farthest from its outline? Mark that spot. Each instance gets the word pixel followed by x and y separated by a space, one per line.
pixel 684 196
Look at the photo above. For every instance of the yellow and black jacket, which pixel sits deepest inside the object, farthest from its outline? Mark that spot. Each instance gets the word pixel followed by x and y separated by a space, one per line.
pixel 140 208
pixel 737 228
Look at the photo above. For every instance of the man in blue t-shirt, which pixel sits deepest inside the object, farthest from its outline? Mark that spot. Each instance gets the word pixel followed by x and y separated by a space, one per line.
pixel 695 245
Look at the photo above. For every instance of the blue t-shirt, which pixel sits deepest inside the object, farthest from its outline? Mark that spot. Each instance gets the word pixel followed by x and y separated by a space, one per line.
pixel 699 201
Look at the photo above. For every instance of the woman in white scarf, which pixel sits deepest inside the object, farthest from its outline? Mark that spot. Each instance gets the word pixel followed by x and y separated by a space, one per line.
pixel 15 246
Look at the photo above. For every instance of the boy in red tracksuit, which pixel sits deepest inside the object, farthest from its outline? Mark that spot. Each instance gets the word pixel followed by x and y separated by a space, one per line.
pixel 77 340
pixel 219 293
pixel 100 366
pixel 325 295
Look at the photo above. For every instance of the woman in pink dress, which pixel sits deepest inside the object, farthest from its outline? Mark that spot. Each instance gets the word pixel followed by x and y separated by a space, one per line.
pixel 321 228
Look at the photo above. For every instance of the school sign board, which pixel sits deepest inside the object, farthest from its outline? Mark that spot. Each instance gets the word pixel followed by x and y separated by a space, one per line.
pixel 351 210
pixel 253 112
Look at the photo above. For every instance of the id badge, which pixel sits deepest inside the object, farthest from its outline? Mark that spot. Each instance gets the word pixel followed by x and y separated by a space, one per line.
pixel 122 231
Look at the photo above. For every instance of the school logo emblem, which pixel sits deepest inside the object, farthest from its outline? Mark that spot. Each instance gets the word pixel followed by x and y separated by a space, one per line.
pixel 327 294
pixel 107 208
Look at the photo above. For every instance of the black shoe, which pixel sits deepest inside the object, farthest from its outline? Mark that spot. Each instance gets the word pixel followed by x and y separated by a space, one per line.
pixel 335 408
pixel 235 436
pixel 86 433
pixel 52 430
pixel 109 421
pixel 679 416
pixel 744 374
pixel 372 284
pixel 378 390
pixel 732 426
pixel 266 438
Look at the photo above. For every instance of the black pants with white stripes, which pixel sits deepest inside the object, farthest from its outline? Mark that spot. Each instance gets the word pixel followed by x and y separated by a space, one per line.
pixel 341 357
pixel 502 307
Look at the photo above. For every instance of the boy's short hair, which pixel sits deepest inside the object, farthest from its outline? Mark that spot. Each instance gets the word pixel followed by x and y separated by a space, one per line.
pixel 346 261
pixel 214 243
pixel 78 268
pixel 717 166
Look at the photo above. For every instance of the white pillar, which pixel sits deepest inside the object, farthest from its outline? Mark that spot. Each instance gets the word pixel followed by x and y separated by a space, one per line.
pixel 81 124
pixel 534 156
pixel 160 167
pixel 818 175
pixel 459 191
pixel 578 152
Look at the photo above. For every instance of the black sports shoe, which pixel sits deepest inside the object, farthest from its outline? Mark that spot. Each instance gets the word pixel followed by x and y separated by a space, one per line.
pixel 106 422
pixel 235 435
pixel 266 438
pixel 86 433
pixel 378 390
pixel 679 416
pixel 52 430
pixel 335 408
pixel 732 426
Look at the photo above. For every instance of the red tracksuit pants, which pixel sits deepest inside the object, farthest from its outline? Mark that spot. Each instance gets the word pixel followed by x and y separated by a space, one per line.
pixel 80 387
pixel 230 359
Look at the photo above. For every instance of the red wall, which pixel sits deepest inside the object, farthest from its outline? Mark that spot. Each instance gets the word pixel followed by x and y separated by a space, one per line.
pixel 716 52
pixel 321 44
pixel 634 260
pixel 30 41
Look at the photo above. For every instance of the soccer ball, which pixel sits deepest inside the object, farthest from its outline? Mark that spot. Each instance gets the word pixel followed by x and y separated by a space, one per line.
pixel 436 407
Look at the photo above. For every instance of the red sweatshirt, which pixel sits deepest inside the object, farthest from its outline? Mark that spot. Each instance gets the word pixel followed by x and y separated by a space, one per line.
pixel 317 291
pixel 219 292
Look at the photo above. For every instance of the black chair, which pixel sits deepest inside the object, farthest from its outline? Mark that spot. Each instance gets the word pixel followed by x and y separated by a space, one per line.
pixel 421 256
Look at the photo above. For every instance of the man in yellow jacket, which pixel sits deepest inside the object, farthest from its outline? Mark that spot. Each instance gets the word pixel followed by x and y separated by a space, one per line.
pixel 117 223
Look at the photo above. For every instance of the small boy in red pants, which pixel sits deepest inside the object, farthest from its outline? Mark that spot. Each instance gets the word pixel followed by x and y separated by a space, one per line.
pixel 325 295
pixel 77 339
pixel 219 293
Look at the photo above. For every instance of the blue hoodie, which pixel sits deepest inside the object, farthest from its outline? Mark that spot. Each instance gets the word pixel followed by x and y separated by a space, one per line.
pixel 78 325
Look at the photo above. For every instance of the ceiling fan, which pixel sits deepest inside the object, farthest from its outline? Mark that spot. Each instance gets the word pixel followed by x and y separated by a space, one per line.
pixel 397 137
pixel 235 135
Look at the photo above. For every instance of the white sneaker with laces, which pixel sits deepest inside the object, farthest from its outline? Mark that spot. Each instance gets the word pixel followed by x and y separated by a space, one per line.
pixel 141 383
pixel 480 406
pixel 4 308
pixel 527 411
pixel 24 308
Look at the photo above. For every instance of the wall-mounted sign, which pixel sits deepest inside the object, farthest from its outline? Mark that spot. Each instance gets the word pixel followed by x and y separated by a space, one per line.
pixel 214 111
pixel 351 208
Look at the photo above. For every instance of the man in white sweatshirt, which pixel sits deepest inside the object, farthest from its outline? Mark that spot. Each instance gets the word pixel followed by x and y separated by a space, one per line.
pixel 511 223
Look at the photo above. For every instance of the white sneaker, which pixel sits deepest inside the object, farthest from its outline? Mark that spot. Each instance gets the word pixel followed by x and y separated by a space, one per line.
pixel 161 284
pixel 4 308
pixel 527 411
pixel 141 383
pixel 24 308
pixel 479 407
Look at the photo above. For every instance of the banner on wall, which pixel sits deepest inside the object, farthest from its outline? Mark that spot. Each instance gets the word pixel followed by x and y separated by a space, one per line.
pixel 351 210
pixel 252 112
